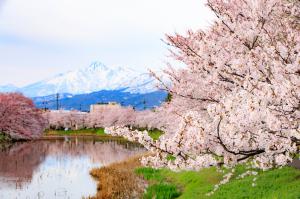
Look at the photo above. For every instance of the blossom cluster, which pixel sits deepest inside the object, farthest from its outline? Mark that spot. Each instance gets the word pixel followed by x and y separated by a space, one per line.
pixel 108 116
pixel 19 118
pixel 238 98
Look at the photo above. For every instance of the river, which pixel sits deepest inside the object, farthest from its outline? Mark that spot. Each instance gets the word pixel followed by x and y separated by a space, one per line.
pixel 57 168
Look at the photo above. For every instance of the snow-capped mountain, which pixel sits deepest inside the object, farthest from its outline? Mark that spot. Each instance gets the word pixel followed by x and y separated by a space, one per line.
pixel 93 78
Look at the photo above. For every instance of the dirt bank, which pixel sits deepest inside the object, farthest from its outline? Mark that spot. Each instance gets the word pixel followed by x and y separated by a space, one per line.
pixel 119 181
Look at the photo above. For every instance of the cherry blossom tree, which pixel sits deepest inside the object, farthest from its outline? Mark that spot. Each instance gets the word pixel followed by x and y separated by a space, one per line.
pixel 163 118
pixel 110 116
pixel 63 119
pixel 20 119
pixel 238 98
pixel 105 117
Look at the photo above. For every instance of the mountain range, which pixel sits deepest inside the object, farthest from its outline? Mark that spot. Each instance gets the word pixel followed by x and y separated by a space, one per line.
pixel 89 79
pixel 95 83
pixel 82 102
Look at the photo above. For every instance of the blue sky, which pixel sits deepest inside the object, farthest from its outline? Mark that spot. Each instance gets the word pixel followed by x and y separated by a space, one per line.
pixel 40 38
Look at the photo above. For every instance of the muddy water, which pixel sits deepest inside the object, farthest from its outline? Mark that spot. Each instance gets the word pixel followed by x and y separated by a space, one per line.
pixel 56 169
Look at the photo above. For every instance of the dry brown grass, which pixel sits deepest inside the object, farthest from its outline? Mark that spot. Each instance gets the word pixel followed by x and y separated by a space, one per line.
pixel 119 181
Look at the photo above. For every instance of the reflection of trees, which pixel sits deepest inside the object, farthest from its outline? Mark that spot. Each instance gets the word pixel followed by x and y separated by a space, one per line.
pixel 99 152
pixel 19 161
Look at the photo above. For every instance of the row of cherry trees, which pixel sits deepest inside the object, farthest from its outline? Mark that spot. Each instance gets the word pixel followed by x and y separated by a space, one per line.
pixel 238 99
pixel 107 117
pixel 20 119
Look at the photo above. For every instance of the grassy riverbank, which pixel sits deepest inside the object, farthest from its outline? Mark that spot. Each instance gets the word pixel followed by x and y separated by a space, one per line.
pixel 155 133
pixel 272 184
pixel 121 178
pixel 129 180
pixel 97 131
pixel 118 180
pixel 93 134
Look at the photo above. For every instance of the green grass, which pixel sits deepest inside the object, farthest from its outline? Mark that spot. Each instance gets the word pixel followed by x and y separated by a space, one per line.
pixel 4 138
pixel 161 191
pixel 97 131
pixel 158 188
pixel 150 173
pixel 272 184
pixel 100 131
pixel 155 133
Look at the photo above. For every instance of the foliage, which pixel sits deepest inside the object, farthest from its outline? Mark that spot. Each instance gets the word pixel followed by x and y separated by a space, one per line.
pixel 169 97
pixel 20 119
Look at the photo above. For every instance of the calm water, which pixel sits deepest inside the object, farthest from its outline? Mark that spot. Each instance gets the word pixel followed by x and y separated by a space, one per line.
pixel 56 169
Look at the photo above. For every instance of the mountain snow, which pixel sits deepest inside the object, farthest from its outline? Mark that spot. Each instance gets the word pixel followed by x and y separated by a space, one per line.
pixel 93 78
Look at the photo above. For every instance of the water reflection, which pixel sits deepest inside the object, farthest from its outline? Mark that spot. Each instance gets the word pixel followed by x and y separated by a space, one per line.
pixel 56 169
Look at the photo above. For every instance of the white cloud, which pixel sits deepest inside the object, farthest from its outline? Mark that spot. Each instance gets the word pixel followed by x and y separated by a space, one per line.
pixel 112 28
pixel 92 20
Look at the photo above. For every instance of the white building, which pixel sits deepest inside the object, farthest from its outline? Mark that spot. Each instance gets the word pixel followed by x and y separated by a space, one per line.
pixel 101 107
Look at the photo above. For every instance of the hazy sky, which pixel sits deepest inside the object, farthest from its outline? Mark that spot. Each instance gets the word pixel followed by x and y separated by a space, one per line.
pixel 40 38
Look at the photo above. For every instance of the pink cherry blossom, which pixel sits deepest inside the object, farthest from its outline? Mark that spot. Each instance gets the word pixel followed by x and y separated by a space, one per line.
pixel 20 119
pixel 238 97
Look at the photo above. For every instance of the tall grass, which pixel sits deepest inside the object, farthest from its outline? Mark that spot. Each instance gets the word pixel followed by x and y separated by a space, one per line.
pixel 118 180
